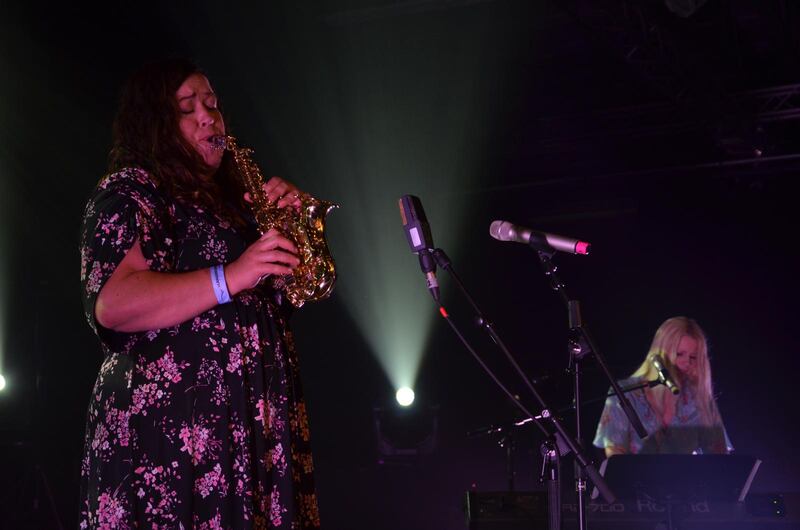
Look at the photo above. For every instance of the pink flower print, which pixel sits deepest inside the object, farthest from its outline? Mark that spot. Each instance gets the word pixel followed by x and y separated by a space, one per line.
pixel 214 249
pixel 198 442
pixel 119 423
pixel 263 414
pixel 211 373
pixel 238 433
pixel 143 396
pixel 111 231
pixel 241 460
pixel 100 440
pixel 85 464
pixel 249 337
pixel 91 208
pixel 107 225
pixel 85 259
pixel 276 422
pixel 212 480
pixel 235 359
pixel 241 463
pixel 111 513
pixel 108 365
pixel 201 322
pixel 276 510
pixel 276 458
pixel 156 484
pixel 269 417
pixel 215 523
pixel 128 378
pixel 113 429
pixel 95 280
pixel 169 369
pixel 160 373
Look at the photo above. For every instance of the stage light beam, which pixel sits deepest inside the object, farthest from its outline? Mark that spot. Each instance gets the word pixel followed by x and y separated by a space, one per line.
pixel 2 383
pixel 387 121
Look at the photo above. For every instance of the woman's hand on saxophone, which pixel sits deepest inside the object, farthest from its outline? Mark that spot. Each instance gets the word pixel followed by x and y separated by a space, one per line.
pixel 272 253
pixel 282 191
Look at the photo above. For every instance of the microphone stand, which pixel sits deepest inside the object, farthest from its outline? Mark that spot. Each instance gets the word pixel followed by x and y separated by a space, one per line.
pixel 551 473
pixel 580 344
pixel 578 349
pixel 585 463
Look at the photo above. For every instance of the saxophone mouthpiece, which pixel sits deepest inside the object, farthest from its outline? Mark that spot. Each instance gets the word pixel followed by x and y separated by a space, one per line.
pixel 218 142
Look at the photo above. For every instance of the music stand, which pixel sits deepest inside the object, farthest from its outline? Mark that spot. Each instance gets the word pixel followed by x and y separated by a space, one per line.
pixel 680 478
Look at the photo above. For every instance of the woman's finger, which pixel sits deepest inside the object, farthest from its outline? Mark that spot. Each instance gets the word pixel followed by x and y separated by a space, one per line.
pixel 276 269
pixel 272 232
pixel 271 183
pixel 279 256
pixel 282 191
pixel 277 241
pixel 275 188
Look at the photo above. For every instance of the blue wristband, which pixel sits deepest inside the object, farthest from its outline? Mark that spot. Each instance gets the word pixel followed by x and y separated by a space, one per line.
pixel 219 284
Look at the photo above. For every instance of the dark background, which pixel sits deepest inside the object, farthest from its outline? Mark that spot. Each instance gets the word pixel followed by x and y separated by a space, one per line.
pixel 666 133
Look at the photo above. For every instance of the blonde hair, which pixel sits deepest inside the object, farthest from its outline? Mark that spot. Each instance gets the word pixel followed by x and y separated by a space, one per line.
pixel 665 345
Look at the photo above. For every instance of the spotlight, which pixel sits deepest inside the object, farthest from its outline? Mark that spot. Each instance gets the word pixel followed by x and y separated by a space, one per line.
pixel 405 396
pixel 2 382
pixel 404 432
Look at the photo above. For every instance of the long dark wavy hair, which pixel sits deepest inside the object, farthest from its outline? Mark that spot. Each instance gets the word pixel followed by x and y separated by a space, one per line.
pixel 146 134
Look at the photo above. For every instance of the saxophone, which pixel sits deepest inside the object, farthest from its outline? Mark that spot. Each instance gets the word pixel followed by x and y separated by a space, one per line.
pixel 314 278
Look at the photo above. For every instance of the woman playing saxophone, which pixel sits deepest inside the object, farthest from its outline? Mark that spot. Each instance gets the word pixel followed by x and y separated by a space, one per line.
pixel 197 418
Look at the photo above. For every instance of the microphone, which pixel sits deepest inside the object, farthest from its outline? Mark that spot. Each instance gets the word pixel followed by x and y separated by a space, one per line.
pixel 418 233
pixel 664 376
pixel 505 231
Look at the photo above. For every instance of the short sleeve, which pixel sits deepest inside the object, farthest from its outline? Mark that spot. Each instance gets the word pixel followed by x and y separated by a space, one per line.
pixel 613 428
pixel 123 207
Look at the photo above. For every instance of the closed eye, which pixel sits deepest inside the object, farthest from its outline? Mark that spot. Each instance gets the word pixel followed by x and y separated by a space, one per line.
pixel 186 105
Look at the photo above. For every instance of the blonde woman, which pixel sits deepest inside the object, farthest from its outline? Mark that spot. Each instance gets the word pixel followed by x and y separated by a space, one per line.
pixel 686 423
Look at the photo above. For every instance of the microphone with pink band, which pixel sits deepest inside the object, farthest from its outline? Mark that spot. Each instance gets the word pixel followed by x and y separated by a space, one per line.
pixel 505 231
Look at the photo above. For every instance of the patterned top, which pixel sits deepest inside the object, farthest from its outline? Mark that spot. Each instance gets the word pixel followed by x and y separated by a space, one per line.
pixel 684 434
pixel 201 425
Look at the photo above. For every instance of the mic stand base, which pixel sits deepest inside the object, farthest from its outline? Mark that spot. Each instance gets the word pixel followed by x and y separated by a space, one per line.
pixel 550 469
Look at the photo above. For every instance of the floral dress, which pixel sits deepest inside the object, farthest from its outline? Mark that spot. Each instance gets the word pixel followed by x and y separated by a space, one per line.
pixel 201 425
pixel 685 433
